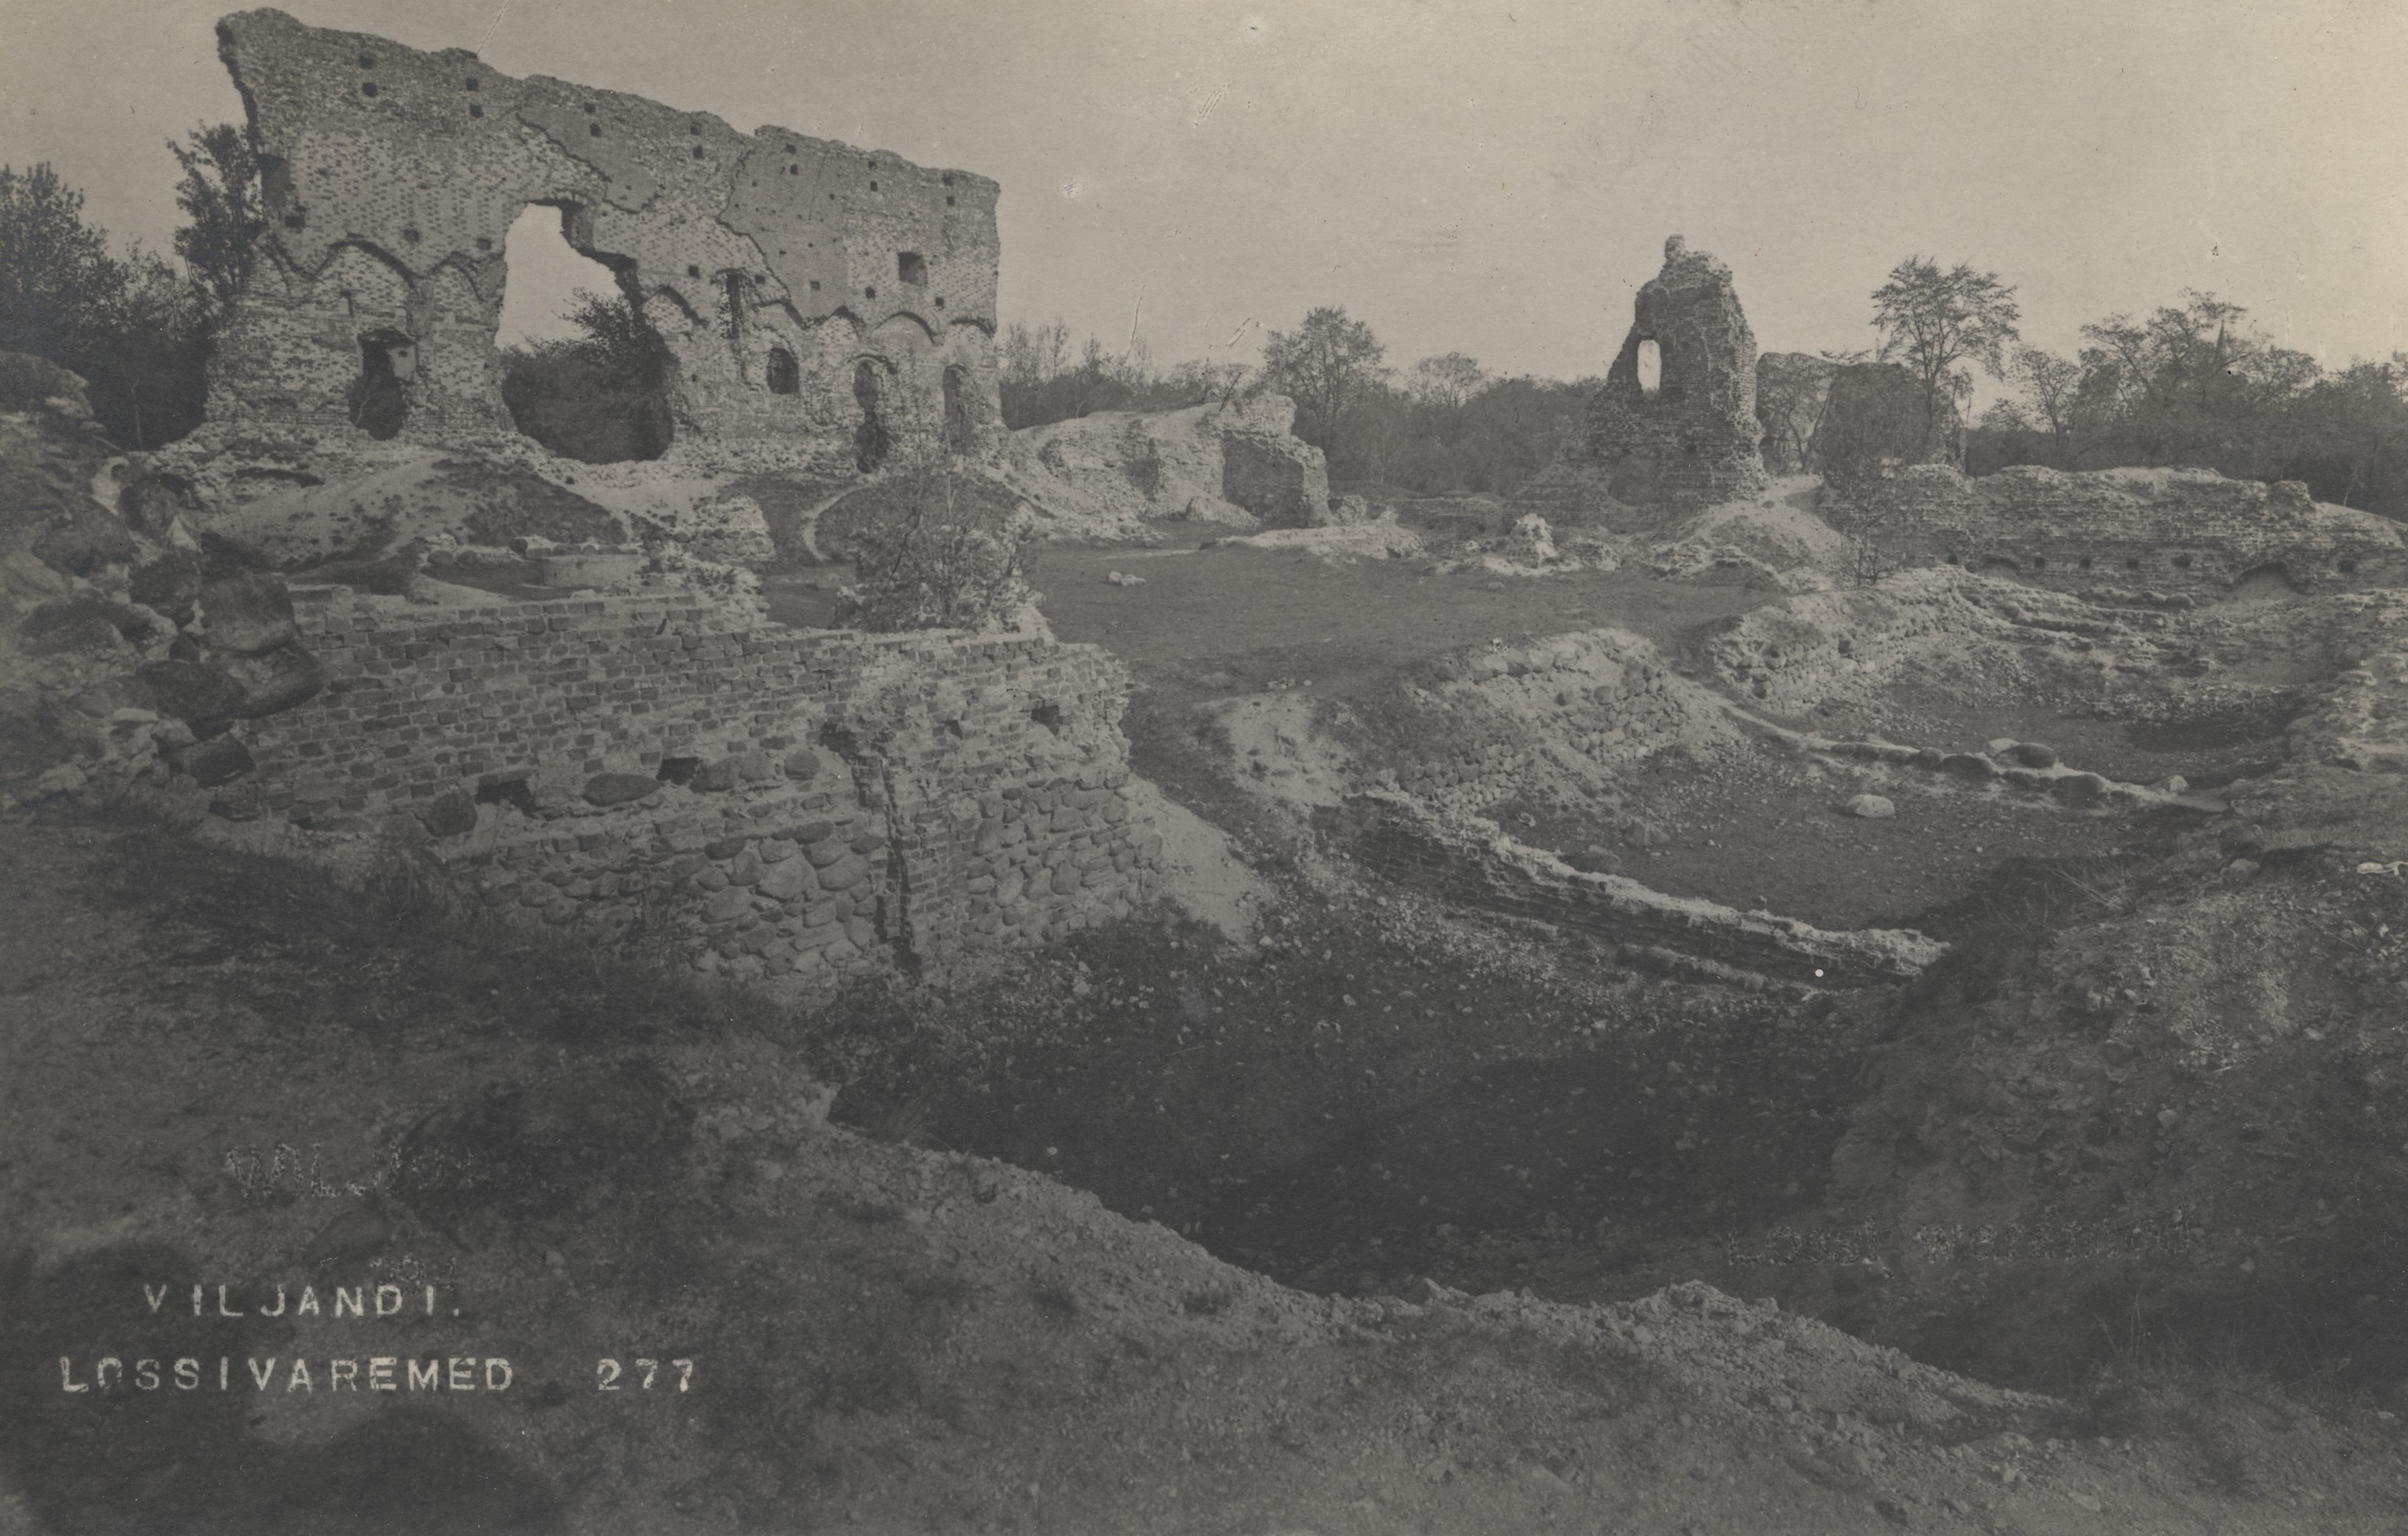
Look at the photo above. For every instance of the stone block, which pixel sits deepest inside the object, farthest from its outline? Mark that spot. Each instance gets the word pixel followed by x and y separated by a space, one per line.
pixel 610 789
pixel 214 761
pixel 449 815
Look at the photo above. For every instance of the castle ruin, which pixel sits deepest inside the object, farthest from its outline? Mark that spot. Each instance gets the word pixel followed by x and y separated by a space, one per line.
pixel 839 303
pixel 1675 427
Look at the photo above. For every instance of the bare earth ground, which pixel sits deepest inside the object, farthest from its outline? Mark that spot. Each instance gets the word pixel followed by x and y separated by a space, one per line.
pixel 589 1166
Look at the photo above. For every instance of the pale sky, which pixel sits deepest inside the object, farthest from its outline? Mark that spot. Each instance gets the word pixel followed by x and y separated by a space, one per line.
pixel 1493 178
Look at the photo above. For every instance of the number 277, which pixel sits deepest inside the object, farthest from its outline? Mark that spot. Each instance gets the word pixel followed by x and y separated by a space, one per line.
pixel 606 1373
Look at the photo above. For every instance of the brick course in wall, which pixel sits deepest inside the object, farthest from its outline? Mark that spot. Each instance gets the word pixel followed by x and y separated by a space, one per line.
pixel 784 804
pixel 392 178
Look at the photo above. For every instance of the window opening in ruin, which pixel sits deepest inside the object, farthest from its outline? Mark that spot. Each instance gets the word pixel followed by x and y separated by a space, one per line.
pixel 1049 716
pixel 367 88
pixel 785 376
pixel 469 84
pixel 873 186
pixel 1651 368
pixel 961 432
pixel 912 268
pixel 677 770
pixel 2182 562
pixel 475 110
pixel 368 61
pixel 380 401
pixel 731 304
pixel 871 439
pixel 869 292
pixel 583 372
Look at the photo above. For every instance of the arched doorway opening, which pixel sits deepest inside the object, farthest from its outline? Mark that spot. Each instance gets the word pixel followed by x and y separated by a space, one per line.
pixel 785 374
pixel 379 402
pixel 871 439
pixel 961 425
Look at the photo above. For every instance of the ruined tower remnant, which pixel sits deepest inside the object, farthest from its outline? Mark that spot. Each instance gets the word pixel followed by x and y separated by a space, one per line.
pixel 1675 424
pixel 814 297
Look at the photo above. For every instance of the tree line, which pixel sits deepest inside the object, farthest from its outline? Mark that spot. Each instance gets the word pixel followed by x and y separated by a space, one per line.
pixel 138 326
pixel 1444 425
pixel 2193 382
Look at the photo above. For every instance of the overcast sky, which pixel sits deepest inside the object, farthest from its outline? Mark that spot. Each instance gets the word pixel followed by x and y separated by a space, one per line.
pixel 1494 178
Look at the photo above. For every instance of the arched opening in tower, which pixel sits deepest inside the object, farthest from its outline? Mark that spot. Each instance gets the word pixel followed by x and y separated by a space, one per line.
pixel 1651 368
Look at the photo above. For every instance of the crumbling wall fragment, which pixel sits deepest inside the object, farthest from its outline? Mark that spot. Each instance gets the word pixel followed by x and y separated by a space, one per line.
pixel 1687 438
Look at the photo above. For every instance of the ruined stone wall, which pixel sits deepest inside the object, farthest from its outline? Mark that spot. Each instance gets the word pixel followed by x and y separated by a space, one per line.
pixel 805 286
pixel 2168 531
pixel 1690 441
pixel 782 805
pixel 1471 864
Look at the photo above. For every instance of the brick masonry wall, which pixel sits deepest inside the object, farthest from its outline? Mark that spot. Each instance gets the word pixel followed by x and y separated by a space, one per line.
pixel 782 805
pixel 1469 863
pixel 2126 531
pixel 392 178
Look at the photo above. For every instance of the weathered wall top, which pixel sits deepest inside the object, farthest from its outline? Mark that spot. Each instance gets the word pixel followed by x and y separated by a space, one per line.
pixel 375 155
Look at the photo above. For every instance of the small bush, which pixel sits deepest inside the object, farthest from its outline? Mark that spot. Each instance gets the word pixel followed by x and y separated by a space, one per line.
pixel 932 552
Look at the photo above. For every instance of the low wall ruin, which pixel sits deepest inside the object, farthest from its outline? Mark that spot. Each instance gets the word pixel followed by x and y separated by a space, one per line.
pixel 783 806
pixel 1470 863
pixel 2129 531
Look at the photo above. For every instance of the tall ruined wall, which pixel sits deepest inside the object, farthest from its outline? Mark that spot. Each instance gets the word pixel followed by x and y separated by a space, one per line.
pixel 806 287
pixel 1691 440
pixel 2171 531
pixel 782 804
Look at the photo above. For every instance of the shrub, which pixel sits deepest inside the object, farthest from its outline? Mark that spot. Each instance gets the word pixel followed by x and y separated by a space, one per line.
pixel 936 548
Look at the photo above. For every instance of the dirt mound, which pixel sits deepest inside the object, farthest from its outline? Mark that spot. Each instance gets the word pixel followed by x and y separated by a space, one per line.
pixel 1774 543
pixel 732 1315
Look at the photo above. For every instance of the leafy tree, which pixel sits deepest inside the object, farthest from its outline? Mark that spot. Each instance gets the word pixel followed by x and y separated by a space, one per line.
pixel 2052 389
pixel 1325 363
pixel 56 274
pixel 1448 380
pixel 2361 419
pixel 128 327
pixel 1933 319
pixel 220 196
